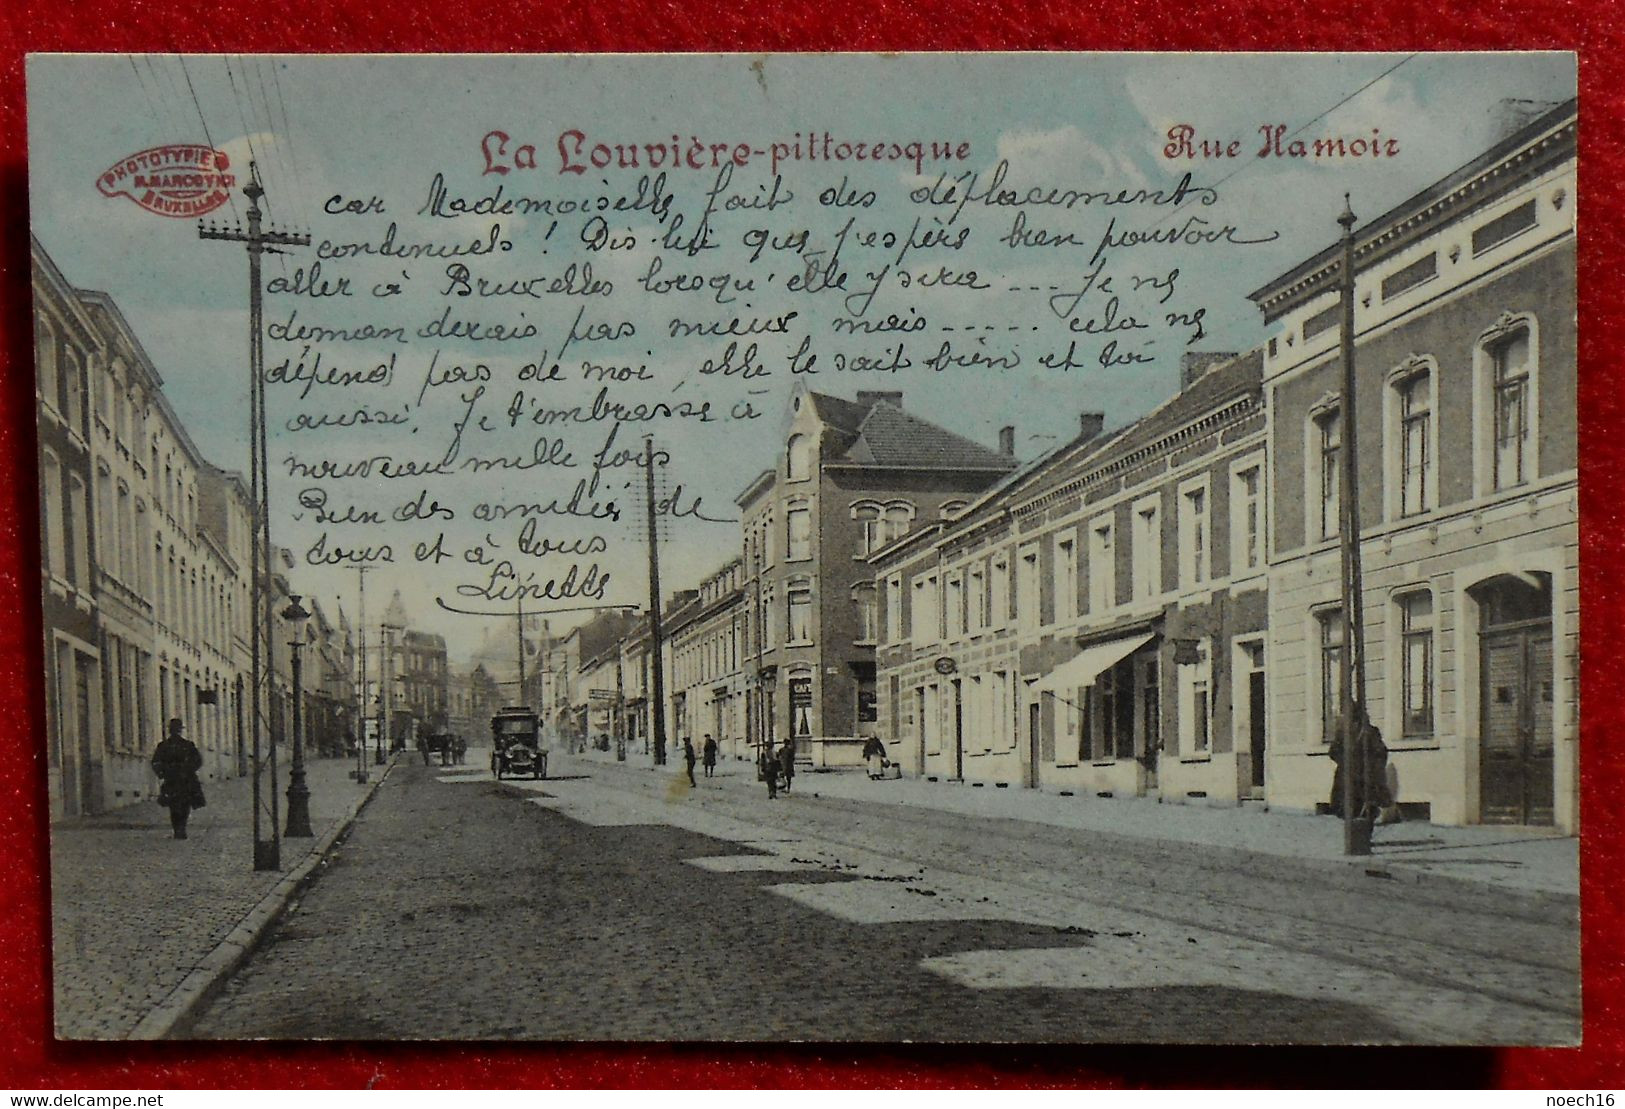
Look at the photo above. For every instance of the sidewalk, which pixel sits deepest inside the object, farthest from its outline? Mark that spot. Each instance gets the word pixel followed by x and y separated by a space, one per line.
pixel 135 911
pixel 1529 860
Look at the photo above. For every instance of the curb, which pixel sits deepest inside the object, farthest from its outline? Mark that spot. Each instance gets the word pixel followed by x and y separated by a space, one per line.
pixel 210 974
pixel 1356 874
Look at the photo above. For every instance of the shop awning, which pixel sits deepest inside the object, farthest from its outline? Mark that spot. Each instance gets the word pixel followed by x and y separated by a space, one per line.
pixel 1088 664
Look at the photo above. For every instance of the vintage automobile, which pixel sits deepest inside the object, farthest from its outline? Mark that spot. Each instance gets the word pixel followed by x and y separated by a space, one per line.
pixel 516 744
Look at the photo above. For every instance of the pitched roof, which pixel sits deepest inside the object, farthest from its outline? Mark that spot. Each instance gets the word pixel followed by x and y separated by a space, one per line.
pixel 1214 389
pixel 888 436
pixel 1223 383
pixel 843 415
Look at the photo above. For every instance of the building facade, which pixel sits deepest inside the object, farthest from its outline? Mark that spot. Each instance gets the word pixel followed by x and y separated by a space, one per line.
pixel 851 476
pixel 66 349
pixel 1465 416
pixel 707 635
pixel 1097 623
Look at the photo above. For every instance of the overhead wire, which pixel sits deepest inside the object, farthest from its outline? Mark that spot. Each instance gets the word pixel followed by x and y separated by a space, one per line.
pixel 207 135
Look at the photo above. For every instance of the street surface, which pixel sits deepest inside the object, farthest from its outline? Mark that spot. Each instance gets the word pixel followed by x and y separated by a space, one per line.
pixel 615 902
pixel 134 910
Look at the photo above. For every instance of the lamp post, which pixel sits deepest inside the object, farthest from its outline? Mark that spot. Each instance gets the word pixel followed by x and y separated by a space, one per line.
pixel 298 793
pixel 384 697
pixel 360 774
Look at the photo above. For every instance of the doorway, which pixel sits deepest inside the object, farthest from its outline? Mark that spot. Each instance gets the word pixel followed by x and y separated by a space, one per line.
pixel 1034 724
pixel 959 730
pixel 1257 729
pixel 1516 784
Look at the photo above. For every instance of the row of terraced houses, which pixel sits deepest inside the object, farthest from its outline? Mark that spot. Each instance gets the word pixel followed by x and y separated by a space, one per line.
pixel 145 568
pixel 1154 610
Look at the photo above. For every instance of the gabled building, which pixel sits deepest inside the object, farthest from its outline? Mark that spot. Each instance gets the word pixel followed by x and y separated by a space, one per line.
pixel 851 475
pixel 1465 413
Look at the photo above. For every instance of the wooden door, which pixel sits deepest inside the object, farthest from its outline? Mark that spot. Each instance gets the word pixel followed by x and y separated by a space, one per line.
pixel 1516 782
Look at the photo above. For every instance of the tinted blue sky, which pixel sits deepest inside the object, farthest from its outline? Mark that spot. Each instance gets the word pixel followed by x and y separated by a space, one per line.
pixel 387 125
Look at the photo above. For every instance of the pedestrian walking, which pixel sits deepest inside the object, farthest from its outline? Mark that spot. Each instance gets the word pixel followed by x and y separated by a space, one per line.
pixel 708 755
pixel 769 768
pixel 688 761
pixel 423 749
pixel 176 761
pixel 1379 798
pixel 787 762
pixel 874 756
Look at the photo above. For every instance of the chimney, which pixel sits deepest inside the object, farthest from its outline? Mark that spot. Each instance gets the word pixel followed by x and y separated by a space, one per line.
pixel 870 397
pixel 1090 424
pixel 1194 363
pixel 1007 440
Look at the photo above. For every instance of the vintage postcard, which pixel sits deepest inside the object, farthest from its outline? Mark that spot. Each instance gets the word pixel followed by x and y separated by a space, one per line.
pixel 1065 547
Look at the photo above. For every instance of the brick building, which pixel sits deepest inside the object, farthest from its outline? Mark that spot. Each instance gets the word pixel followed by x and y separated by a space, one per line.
pixel 1466 422
pixel 1096 623
pixel 851 475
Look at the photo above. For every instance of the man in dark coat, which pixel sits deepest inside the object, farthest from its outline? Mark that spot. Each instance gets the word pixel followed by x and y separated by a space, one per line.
pixel 708 756
pixel 787 762
pixel 770 773
pixel 688 761
pixel 176 761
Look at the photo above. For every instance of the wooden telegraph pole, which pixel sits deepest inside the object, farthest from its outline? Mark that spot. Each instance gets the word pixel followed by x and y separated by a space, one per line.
pixel 657 687
pixel 257 240
pixel 1356 828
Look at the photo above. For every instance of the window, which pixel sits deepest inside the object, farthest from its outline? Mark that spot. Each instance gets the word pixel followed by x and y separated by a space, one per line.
pixel 798 458
pixel 1416 654
pixel 1409 277
pixel 1116 701
pixel 769 637
pixel 1102 567
pixel 45 356
pixel 1195 702
pixel 950 509
pixel 999 594
pixel 78 533
pixel 1503 227
pixel 73 408
pixel 1509 369
pixel 1027 612
pixel 954 612
pixel 976 599
pixel 798 534
pixel 56 559
pixel 872 534
pixel 1327 430
pixel 1414 396
pixel 1193 535
pixel 1321 322
pixel 894 610
pixel 899 515
pixel 1246 519
pixel 925 612
pixel 1066 578
pixel 1146 549
pixel 1331 671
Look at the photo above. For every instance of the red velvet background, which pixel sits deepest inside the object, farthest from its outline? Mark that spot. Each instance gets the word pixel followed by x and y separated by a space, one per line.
pixel 30 1058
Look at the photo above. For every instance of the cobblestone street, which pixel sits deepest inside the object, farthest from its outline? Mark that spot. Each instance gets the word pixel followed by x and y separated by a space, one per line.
pixel 134 910
pixel 612 902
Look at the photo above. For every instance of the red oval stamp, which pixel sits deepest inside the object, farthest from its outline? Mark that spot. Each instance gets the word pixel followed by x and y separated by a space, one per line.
pixel 181 180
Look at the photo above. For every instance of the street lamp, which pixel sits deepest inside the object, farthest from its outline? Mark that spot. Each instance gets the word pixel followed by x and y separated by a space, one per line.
pixel 298 793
